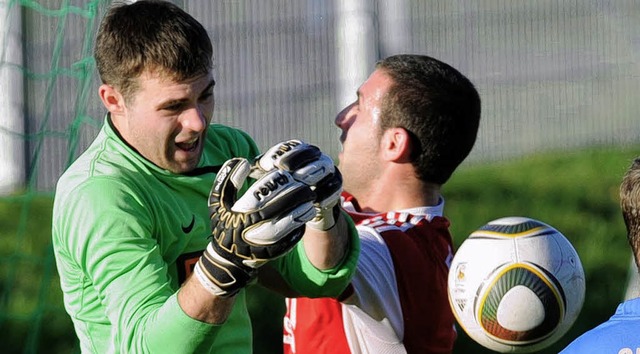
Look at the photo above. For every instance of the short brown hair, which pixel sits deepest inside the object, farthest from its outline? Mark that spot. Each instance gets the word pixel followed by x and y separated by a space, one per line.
pixel 439 108
pixel 630 205
pixel 150 35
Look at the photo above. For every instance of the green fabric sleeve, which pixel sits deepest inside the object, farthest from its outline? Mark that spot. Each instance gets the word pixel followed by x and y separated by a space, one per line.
pixel 198 339
pixel 309 281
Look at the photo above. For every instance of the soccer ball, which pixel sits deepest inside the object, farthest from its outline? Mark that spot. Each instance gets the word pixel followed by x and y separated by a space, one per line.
pixel 516 285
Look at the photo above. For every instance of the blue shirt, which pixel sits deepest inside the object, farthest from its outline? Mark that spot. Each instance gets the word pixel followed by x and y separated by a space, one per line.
pixel 619 335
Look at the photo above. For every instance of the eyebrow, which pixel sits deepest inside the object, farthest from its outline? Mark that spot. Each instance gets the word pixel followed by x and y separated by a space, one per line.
pixel 170 102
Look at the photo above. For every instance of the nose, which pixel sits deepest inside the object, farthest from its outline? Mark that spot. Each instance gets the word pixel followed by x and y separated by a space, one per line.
pixel 194 119
pixel 341 118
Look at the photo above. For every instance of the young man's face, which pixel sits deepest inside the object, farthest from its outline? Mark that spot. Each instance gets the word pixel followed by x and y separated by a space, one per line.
pixel 360 125
pixel 166 121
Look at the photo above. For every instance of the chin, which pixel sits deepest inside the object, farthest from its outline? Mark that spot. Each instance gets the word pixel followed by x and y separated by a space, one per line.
pixel 179 167
pixel 189 166
pixel 186 162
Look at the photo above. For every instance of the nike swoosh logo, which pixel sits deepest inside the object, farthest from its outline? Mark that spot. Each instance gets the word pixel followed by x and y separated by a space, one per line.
pixel 188 228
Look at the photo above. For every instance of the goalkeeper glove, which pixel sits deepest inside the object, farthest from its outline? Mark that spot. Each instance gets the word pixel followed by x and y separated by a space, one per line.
pixel 309 165
pixel 264 224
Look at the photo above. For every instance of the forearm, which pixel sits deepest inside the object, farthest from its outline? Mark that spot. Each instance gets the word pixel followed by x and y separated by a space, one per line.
pixel 327 249
pixel 201 305
pixel 304 279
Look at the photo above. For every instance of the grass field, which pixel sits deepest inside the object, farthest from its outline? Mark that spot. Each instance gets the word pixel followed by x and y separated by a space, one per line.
pixel 576 192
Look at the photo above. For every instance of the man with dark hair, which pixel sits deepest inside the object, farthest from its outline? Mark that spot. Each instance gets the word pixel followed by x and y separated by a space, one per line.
pixel 621 333
pixel 414 121
pixel 153 244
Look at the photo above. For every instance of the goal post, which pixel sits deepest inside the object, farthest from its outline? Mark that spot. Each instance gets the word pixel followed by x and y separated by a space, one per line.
pixel 12 125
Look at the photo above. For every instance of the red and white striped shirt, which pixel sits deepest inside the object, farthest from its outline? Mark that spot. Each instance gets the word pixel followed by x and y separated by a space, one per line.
pixel 397 301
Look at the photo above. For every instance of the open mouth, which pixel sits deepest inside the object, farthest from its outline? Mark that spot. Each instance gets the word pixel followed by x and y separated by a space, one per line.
pixel 190 145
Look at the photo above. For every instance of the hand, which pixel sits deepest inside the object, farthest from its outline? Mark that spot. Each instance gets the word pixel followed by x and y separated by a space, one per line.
pixel 305 162
pixel 309 165
pixel 264 224
pixel 327 205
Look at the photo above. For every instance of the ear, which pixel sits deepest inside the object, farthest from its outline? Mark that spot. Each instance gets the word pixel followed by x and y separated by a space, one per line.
pixel 396 145
pixel 112 99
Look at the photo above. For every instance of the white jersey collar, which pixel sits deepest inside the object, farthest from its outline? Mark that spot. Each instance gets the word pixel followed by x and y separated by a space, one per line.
pixel 428 211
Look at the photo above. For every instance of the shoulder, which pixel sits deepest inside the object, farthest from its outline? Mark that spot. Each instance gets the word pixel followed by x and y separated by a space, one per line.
pixel 107 158
pixel 226 131
pixel 98 179
pixel 98 212
pixel 232 141
pixel 97 198
pixel 372 241
pixel 224 142
pixel 610 336
pixel 94 187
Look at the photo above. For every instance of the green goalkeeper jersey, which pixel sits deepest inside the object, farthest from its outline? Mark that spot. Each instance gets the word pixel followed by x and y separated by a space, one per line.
pixel 126 234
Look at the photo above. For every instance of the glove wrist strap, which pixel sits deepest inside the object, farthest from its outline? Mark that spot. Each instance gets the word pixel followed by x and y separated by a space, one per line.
pixel 219 276
pixel 325 218
pixel 206 283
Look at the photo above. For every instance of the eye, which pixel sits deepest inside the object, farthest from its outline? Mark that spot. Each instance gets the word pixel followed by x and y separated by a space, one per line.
pixel 206 96
pixel 173 106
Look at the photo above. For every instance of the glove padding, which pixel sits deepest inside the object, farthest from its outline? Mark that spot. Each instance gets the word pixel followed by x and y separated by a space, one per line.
pixel 327 206
pixel 264 224
pixel 307 164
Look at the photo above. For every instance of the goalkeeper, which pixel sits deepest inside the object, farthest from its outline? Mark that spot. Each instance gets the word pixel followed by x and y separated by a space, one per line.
pixel 161 223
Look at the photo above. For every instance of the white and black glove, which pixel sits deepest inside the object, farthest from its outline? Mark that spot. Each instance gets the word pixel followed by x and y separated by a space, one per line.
pixel 264 224
pixel 309 165
pixel 327 204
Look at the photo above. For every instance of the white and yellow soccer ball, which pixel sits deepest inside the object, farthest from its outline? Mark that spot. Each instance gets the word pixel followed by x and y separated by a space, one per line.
pixel 516 285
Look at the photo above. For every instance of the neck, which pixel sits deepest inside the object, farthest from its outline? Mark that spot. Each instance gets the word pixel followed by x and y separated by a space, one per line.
pixel 393 195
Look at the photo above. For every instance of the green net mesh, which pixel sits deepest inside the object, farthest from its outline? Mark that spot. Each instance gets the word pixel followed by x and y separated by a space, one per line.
pixel 52 42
